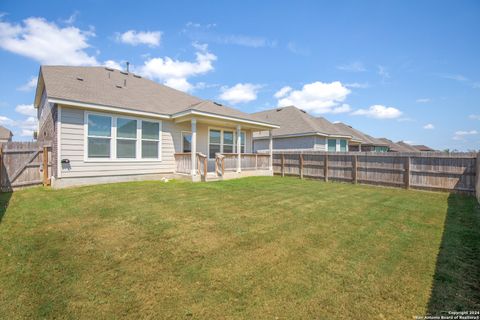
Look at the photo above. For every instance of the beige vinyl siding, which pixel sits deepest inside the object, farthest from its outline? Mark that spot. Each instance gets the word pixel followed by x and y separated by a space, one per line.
pixel 72 148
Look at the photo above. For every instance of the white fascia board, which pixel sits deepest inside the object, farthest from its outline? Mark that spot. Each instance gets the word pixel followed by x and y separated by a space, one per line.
pixel 98 107
pixel 304 135
pixel 218 116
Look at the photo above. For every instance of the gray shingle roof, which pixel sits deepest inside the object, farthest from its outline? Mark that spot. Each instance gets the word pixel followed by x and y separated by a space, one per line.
pixel 407 146
pixel 399 146
pixel 5 133
pixel 423 148
pixel 365 139
pixel 293 121
pixel 111 87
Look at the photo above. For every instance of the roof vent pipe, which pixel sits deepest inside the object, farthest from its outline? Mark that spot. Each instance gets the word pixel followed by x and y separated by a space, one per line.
pixel 128 66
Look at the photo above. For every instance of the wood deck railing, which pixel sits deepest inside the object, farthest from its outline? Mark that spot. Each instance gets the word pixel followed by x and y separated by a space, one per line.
pixel 183 161
pixel 223 162
pixel 248 161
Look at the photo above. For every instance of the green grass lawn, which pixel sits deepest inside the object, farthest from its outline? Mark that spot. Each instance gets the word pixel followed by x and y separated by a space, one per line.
pixel 254 248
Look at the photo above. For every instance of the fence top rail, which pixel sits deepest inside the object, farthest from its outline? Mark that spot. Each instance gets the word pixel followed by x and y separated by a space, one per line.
pixel 463 155
pixel 18 146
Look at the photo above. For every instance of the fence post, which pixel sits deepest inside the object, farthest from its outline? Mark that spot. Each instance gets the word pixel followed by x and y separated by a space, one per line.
pixel 45 166
pixel 407 173
pixel 205 168
pixel 325 167
pixel 256 161
pixel 301 165
pixel 477 177
pixel 354 170
pixel 1 167
pixel 223 166
pixel 283 165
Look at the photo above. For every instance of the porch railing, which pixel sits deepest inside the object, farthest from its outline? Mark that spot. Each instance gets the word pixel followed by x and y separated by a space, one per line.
pixel 223 162
pixel 248 161
pixel 183 163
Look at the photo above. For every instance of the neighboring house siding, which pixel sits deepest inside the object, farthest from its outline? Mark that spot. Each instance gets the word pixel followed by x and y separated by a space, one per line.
pixel 320 143
pixel 306 142
pixel 72 148
pixel 47 123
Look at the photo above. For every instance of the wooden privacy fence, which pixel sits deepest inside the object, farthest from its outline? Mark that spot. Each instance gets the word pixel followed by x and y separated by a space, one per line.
pixel 24 164
pixel 435 171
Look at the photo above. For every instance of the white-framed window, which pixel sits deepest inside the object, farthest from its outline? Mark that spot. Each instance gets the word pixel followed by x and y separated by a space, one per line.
pixel 150 139
pixel 228 143
pixel 111 137
pixel 214 142
pixel 224 141
pixel 126 138
pixel 99 136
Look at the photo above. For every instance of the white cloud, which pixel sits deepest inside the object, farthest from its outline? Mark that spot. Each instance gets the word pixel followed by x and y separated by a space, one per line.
pixel 282 92
pixel 295 48
pixel 204 33
pixel 176 72
pixel 31 84
pixel 429 126
pixel 423 100
pixel 27 126
pixel 73 17
pixel 460 135
pixel 24 127
pixel 317 97
pixel 26 110
pixel 113 64
pixel 474 116
pixel 456 77
pixel 379 112
pixel 240 93
pixel 357 85
pixel 6 121
pixel 353 67
pixel 132 37
pixel 179 83
pixel 47 43
pixel 383 73
pixel 341 109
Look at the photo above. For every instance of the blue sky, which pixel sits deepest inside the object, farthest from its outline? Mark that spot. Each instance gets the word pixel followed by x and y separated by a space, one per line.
pixel 405 70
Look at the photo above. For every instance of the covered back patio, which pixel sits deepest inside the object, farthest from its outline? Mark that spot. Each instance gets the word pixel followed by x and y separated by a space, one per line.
pixel 214 147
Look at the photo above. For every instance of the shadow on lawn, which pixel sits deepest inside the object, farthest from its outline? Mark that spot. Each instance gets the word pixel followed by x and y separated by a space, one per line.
pixel 4 200
pixel 456 283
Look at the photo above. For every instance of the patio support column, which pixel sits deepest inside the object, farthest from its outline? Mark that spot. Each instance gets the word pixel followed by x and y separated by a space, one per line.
pixel 194 147
pixel 270 149
pixel 239 149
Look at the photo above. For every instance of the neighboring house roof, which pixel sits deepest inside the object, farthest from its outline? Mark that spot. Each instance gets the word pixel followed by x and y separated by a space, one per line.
pixel 113 88
pixel 294 121
pixel 423 148
pixel 397 147
pixel 407 146
pixel 359 136
pixel 5 134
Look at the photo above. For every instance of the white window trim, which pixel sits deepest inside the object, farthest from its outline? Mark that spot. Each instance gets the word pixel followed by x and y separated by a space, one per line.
pixel 113 139
pixel 337 145
pixel 221 139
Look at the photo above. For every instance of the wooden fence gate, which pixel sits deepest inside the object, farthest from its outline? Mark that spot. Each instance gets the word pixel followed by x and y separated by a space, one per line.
pixel 24 164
